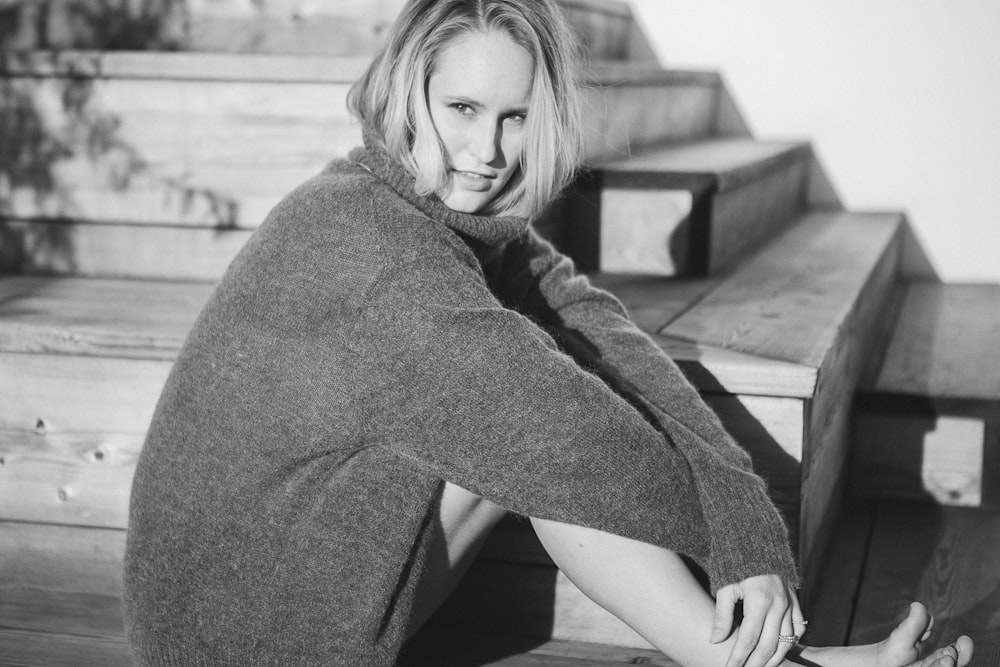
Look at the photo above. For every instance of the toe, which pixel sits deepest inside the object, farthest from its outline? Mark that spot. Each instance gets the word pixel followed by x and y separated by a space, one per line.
pixel 965 648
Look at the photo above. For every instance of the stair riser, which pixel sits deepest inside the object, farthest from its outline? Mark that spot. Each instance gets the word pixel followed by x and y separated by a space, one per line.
pixel 118 251
pixel 69 395
pixel 273 26
pixel 678 224
pixel 938 450
pixel 528 600
pixel 172 159
pixel 61 579
pixel 77 479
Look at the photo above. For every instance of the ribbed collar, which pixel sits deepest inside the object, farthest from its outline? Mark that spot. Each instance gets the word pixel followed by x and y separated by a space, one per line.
pixel 485 228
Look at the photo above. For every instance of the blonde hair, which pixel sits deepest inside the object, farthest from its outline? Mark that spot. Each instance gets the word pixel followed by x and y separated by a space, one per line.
pixel 391 98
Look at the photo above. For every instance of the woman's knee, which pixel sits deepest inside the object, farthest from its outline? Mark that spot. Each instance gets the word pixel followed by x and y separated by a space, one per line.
pixel 466 519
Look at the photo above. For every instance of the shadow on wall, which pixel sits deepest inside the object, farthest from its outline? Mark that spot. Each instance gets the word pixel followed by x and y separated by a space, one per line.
pixel 97 24
pixel 64 159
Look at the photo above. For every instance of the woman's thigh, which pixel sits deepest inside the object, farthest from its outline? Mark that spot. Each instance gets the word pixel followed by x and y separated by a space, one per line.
pixel 463 523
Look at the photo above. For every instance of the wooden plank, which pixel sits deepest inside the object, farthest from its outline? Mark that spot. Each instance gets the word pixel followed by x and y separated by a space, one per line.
pixel 645 231
pixel 67 478
pixel 80 614
pixel 696 207
pixel 630 114
pixel 75 395
pixel 855 325
pixel 654 301
pixel 59 559
pixel 933 449
pixel 945 557
pixel 156 65
pixel 832 604
pixel 205 153
pixel 115 318
pixel 711 369
pixel 21 648
pixel 62 579
pixel 193 140
pixel 772 430
pixel 118 251
pixel 733 161
pixel 532 601
pixel 945 343
pixel 804 282
pixel 436 645
pixel 744 217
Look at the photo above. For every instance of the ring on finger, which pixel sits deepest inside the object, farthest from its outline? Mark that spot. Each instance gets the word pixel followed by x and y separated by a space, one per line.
pixel 802 622
pixel 788 639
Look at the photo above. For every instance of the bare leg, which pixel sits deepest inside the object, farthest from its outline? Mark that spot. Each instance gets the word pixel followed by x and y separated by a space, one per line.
pixel 465 522
pixel 652 590
pixel 647 587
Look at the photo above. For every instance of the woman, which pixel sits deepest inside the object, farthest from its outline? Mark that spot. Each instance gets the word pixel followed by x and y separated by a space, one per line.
pixel 396 359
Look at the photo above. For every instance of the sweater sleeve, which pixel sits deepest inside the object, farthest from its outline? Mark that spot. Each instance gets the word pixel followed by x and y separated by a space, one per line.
pixel 746 534
pixel 478 394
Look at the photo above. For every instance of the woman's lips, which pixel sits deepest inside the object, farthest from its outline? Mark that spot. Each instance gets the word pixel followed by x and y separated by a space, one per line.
pixel 472 180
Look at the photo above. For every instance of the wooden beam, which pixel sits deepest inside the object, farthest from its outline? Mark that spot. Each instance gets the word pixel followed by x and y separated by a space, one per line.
pixel 114 318
pixel 61 394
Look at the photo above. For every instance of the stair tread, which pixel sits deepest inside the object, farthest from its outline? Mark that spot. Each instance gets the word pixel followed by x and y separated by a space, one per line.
pixel 121 318
pixel 288 68
pixel 727 333
pixel 787 302
pixel 728 161
pixel 27 648
pixel 943 343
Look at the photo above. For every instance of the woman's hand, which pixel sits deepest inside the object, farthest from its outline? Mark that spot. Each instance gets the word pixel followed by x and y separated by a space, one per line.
pixel 770 609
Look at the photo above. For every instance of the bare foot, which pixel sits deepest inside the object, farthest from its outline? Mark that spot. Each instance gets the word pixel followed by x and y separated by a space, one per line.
pixel 900 649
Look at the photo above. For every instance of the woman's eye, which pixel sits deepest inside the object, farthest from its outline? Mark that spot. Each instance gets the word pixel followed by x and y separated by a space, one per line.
pixel 515 119
pixel 462 109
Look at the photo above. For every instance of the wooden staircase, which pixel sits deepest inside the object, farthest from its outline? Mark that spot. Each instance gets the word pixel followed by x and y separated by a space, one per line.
pixel 129 180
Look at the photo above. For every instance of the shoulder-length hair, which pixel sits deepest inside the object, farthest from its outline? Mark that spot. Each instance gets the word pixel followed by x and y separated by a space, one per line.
pixel 391 98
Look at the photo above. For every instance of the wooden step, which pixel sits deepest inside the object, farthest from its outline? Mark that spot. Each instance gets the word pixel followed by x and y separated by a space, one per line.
pixel 776 344
pixel 157 165
pixel 346 27
pixel 687 209
pixel 91 356
pixel 928 426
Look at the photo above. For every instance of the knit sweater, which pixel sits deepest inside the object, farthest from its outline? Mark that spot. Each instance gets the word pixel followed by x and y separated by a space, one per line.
pixel 365 346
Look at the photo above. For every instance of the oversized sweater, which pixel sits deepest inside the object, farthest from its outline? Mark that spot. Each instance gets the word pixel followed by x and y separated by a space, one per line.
pixel 365 346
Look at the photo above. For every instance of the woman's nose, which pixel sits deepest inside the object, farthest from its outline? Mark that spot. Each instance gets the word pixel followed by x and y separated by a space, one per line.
pixel 484 140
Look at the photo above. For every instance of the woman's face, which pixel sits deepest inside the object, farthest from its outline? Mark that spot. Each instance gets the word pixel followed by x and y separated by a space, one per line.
pixel 478 95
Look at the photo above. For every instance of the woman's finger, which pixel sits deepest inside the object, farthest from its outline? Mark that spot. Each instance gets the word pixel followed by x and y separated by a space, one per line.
pixel 749 635
pixel 787 638
pixel 725 602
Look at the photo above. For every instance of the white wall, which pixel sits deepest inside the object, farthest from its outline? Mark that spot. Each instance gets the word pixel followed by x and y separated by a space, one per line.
pixel 901 99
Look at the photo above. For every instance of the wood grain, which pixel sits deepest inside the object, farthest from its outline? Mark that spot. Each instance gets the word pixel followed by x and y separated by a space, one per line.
pixel 60 559
pixel 831 605
pixel 745 217
pixel 79 479
pixel 114 318
pixel 22 648
pixel 440 645
pixel 118 251
pixel 63 394
pixel 946 343
pixel 944 557
pixel 805 282
pixel 654 301
pixel 855 329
